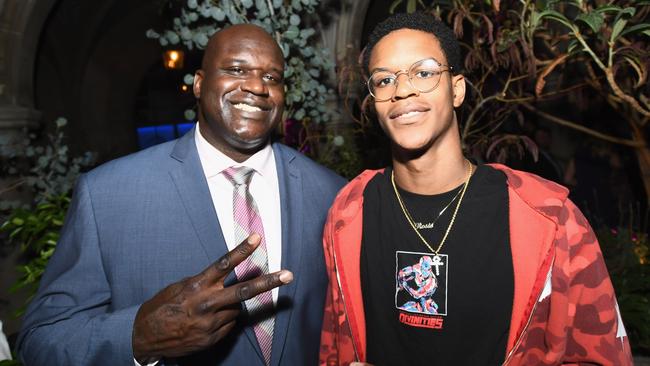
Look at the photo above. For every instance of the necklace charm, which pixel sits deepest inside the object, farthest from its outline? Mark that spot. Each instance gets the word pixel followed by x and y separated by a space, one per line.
pixel 437 262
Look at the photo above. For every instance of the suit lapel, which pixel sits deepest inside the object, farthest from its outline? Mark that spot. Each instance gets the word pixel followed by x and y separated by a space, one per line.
pixel 192 187
pixel 291 194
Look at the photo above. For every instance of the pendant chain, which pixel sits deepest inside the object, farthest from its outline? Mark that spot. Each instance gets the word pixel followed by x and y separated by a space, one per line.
pixel 439 213
pixel 453 217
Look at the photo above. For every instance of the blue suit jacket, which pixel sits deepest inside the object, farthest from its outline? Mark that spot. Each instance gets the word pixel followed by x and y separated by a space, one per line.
pixel 142 222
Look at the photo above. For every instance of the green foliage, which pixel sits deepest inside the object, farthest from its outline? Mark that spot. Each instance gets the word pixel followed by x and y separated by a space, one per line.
pixel 291 24
pixel 49 174
pixel 45 170
pixel 10 363
pixel 37 232
pixel 626 253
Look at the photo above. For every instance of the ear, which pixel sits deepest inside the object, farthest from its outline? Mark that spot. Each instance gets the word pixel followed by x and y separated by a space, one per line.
pixel 198 80
pixel 458 88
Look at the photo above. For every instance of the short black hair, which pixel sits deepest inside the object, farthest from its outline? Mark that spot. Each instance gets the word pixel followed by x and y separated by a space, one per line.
pixel 421 22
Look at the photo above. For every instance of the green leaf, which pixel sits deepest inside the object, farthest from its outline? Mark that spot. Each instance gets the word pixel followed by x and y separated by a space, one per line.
pixel 411 6
pixel 642 28
pixel 17 221
pixel 594 20
pixel 619 25
pixel 393 6
pixel 557 16
pixel 573 43
pixel 609 8
pixel 625 13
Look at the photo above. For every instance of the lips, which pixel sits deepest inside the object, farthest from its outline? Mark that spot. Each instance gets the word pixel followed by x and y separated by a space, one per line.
pixel 408 111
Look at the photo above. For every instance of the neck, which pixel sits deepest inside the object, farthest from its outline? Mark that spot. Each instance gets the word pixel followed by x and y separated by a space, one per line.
pixel 432 172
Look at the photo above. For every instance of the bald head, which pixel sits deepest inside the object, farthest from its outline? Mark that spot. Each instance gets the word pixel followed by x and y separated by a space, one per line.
pixel 238 34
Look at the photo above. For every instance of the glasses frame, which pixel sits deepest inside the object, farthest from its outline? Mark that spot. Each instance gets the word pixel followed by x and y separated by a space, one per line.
pixel 408 75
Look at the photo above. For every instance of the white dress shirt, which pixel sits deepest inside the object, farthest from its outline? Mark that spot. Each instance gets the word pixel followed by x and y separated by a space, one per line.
pixel 5 353
pixel 264 188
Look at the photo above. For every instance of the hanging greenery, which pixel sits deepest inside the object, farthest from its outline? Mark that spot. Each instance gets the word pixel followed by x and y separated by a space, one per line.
pixel 290 22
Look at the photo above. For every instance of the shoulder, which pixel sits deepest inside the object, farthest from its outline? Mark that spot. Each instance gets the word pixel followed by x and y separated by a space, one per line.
pixel 141 165
pixel 535 190
pixel 350 197
pixel 308 167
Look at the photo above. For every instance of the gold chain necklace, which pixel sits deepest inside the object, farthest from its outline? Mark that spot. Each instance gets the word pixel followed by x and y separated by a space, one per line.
pixel 453 217
pixel 431 225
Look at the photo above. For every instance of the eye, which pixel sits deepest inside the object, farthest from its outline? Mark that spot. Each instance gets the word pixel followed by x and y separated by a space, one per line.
pixel 382 82
pixel 425 74
pixel 272 79
pixel 235 70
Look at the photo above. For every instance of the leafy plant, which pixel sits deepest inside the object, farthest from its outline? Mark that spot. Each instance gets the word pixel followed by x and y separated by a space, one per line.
pixel 37 232
pixel 49 174
pixel 10 363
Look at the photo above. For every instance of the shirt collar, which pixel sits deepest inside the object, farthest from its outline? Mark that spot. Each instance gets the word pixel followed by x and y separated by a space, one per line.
pixel 214 161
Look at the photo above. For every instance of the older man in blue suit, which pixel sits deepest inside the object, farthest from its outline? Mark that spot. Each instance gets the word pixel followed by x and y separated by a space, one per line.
pixel 205 250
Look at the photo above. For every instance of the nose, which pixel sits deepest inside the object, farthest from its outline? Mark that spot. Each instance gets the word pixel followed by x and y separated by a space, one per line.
pixel 255 85
pixel 403 88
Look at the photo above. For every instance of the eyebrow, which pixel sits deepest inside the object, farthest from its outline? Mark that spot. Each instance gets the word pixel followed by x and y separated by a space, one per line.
pixel 379 69
pixel 245 62
pixel 388 70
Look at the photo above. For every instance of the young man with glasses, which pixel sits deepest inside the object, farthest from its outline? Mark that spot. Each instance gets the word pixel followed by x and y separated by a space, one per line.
pixel 438 260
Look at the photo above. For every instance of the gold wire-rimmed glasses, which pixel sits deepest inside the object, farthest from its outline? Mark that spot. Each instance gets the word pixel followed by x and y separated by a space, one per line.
pixel 423 76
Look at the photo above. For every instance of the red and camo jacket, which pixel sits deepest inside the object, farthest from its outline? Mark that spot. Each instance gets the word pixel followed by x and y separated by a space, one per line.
pixel 564 309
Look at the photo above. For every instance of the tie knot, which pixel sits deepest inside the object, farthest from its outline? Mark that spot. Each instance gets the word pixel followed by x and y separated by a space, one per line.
pixel 239 175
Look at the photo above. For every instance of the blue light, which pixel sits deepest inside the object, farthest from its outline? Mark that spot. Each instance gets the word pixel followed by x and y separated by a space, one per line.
pixel 154 135
pixel 182 128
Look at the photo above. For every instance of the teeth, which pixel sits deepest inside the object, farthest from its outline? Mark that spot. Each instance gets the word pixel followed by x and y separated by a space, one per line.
pixel 247 107
pixel 411 113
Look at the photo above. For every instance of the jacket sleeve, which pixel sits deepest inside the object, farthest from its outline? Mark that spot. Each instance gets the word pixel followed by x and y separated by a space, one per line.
pixel 70 321
pixel 328 341
pixel 597 333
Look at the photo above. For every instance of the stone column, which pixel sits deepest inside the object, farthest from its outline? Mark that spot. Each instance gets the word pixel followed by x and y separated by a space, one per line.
pixel 21 22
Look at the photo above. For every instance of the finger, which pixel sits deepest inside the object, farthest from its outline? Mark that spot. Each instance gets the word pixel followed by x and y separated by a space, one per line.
pixel 251 288
pixel 224 265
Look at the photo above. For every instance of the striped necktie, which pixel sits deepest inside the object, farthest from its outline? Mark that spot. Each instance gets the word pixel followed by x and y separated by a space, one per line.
pixel 247 220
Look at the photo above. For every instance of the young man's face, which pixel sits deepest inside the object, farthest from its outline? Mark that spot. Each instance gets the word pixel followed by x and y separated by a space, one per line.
pixel 240 90
pixel 414 120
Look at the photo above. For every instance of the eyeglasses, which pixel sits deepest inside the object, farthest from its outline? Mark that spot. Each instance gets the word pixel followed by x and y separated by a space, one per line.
pixel 423 76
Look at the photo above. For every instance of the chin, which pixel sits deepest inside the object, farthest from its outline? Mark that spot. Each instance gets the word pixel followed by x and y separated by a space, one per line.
pixel 248 143
pixel 411 142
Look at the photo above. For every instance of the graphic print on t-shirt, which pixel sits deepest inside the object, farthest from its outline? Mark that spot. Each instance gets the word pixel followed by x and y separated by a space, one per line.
pixel 421 285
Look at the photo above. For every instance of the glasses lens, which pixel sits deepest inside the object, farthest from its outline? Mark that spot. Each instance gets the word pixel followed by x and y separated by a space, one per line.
pixel 381 85
pixel 425 75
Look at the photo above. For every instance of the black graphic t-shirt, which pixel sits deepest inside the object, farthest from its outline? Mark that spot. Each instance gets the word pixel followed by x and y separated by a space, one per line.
pixel 450 309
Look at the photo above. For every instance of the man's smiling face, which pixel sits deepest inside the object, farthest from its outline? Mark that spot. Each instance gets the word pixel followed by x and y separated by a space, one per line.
pixel 240 90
